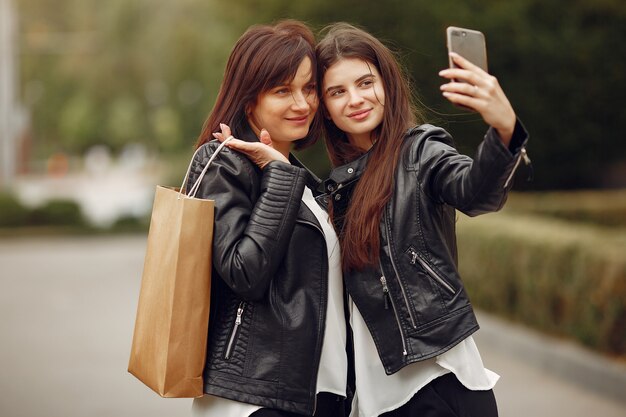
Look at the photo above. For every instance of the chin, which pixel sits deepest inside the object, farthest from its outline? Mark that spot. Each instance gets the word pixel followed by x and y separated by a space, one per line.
pixel 291 137
pixel 300 133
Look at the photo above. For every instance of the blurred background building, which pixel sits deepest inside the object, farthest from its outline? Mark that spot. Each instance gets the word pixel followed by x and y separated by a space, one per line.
pixel 14 121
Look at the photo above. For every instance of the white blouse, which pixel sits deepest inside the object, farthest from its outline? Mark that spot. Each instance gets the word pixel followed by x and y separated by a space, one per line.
pixel 333 367
pixel 378 393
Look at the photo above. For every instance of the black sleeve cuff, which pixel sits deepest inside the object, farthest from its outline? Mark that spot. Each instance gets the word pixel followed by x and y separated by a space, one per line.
pixel 519 138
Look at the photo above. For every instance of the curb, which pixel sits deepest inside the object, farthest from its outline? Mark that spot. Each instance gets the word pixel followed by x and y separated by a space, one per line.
pixel 559 357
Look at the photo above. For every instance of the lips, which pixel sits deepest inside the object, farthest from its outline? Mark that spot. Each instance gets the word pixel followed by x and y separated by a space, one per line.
pixel 360 114
pixel 299 119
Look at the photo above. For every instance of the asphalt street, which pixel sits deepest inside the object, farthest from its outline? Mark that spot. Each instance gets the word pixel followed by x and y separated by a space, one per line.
pixel 67 310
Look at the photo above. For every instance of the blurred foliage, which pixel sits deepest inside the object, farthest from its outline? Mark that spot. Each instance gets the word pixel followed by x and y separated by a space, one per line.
pixel 563 277
pixel 601 208
pixel 121 71
pixel 57 213
pixel 148 71
pixel 12 212
pixel 58 217
pixel 131 224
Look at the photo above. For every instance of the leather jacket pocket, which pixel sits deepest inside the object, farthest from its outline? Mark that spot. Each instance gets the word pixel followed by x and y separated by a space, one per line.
pixel 416 259
pixel 234 334
pixel 430 293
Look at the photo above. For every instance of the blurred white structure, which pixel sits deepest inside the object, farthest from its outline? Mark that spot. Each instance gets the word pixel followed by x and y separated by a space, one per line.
pixel 12 116
pixel 106 189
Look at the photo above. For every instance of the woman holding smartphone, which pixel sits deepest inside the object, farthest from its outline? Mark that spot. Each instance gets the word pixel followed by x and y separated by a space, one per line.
pixel 276 343
pixel 392 198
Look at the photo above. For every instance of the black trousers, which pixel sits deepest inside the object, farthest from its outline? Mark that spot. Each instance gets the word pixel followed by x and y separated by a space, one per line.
pixel 447 397
pixel 328 405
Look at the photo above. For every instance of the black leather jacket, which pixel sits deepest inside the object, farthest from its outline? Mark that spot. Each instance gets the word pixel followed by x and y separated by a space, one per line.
pixel 413 301
pixel 269 284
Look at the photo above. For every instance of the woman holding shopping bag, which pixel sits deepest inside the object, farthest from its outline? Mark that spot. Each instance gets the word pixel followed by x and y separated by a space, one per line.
pixel 393 195
pixel 276 342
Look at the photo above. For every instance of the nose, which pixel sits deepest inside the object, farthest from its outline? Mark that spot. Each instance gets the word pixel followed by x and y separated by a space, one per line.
pixel 300 101
pixel 355 98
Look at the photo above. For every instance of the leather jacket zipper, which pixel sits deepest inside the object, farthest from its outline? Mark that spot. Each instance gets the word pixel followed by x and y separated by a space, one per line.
pixel 235 331
pixel 429 270
pixel 395 270
pixel 387 296
pixel 385 292
pixel 522 155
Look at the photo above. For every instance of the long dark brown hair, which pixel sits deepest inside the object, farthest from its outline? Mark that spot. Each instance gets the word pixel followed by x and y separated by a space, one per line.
pixel 264 57
pixel 359 239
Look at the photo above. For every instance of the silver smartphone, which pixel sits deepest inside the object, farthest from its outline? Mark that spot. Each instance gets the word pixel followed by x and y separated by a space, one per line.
pixel 468 43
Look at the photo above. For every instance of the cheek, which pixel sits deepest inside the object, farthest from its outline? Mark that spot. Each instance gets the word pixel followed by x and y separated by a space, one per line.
pixel 256 113
pixel 314 103
pixel 380 94
pixel 266 108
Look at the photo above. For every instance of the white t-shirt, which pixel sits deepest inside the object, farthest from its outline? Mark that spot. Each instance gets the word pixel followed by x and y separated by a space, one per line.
pixel 378 393
pixel 333 368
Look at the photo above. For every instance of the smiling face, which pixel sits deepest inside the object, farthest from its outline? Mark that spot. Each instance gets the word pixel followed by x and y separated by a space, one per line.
pixel 286 111
pixel 354 97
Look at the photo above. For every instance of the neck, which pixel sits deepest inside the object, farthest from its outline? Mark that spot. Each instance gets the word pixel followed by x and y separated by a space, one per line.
pixel 282 147
pixel 362 141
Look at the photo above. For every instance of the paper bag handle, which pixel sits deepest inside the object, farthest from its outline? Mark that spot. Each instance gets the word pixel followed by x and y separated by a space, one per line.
pixel 194 188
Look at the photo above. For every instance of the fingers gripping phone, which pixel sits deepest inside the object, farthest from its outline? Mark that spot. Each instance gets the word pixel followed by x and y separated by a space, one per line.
pixel 468 43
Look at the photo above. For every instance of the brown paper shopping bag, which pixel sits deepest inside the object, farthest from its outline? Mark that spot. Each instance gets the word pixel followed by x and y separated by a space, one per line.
pixel 169 342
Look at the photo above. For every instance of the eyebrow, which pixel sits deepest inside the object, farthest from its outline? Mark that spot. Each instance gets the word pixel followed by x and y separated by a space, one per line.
pixel 362 77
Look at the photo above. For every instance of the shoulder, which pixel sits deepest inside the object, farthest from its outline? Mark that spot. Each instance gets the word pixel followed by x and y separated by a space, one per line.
pixel 228 160
pixel 228 169
pixel 419 134
pixel 423 140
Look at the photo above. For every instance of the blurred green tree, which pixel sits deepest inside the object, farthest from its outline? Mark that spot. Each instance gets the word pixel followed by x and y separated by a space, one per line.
pixel 79 122
pixel 559 62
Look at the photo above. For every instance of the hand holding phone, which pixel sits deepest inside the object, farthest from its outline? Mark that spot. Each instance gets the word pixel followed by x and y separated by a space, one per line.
pixel 471 87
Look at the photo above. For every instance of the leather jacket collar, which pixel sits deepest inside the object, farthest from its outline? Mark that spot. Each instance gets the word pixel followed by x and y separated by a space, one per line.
pixel 346 173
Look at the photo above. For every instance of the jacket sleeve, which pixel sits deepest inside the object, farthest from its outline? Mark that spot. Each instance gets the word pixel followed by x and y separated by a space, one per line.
pixel 254 216
pixel 472 186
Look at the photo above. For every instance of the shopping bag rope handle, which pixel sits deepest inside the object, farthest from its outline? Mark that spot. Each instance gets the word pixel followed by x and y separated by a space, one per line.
pixel 194 189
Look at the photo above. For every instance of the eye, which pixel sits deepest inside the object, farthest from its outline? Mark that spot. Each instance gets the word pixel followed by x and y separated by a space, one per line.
pixel 368 82
pixel 281 91
pixel 336 92
pixel 309 89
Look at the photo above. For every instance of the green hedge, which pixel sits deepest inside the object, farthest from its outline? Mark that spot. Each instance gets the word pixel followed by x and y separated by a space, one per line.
pixel 12 212
pixel 565 278
pixel 58 213
pixel 604 208
pixel 57 216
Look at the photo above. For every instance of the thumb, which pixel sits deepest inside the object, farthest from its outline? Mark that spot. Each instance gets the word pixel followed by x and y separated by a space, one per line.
pixel 226 132
pixel 265 137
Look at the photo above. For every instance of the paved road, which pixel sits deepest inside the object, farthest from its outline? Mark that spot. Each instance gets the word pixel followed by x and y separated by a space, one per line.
pixel 67 309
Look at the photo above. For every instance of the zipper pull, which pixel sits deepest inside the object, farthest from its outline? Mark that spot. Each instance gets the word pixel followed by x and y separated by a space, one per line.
pixel 385 292
pixel 525 156
pixel 528 163
pixel 239 314
pixel 413 257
